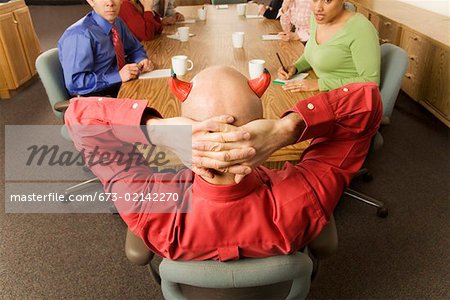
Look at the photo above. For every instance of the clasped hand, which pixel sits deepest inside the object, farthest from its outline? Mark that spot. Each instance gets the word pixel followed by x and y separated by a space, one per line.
pixel 218 145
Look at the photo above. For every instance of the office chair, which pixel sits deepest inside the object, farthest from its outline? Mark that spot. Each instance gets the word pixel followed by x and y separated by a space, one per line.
pixel 277 277
pixel 50 71
pixel 350 6
pixel 394 62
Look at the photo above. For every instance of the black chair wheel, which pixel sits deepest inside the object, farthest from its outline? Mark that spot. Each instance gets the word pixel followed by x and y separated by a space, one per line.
pixel 382 212
pixel 367 177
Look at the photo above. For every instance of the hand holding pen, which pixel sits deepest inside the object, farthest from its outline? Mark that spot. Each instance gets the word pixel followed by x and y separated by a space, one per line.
pixel 281 62
pixel 285 72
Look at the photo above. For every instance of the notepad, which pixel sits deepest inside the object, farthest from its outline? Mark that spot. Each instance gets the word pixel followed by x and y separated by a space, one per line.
pixel 271 37
pixel 162 73
pixel 175 36
pixel 299 76
pixel 222 6
pixel 189 21
pixel 254 16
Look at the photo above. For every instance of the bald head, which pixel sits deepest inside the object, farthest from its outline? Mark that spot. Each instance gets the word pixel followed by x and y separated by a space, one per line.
pixel 222 90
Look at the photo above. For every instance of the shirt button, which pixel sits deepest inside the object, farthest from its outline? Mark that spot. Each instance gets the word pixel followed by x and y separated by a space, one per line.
pixel 310 106
pixel 100 99
pixel 135 105
pixel 345 89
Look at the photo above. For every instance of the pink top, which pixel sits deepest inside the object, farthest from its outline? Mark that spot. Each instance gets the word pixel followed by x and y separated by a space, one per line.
pixel 297 14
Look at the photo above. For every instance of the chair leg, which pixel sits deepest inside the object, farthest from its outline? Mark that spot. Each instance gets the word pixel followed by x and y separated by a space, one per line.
pixel 154 273
pixel 382 211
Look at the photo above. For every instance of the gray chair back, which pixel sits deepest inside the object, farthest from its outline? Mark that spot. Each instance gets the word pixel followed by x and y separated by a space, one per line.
pixel 277 277
pixel 350 6
pixel 50 71
pixel 394 62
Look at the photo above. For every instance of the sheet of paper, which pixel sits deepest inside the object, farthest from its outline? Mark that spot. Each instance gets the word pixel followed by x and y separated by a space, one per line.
pixel 162 73
pixel 299 76
pixel 187 21
pixel 222 6
pixel 254 16
pixel 175 36
pixel 271 37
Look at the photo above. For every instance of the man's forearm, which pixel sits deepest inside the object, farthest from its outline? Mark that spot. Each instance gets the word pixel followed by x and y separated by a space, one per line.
pixel 290 129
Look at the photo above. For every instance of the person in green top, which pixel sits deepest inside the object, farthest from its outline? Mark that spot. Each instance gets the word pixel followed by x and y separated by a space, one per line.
pixel 343 48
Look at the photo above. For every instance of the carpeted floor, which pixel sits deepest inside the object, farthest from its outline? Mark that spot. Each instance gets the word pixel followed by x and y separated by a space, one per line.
pixel 405 256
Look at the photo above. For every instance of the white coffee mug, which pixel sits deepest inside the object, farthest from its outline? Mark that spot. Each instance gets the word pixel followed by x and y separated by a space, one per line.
pixel 201 14
pixel 180 64
pixel 238 39
pixel 241 9
pixel 183 34
pixel 255 68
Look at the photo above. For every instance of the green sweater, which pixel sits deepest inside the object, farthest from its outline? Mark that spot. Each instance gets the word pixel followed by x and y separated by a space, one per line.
pixel 351 55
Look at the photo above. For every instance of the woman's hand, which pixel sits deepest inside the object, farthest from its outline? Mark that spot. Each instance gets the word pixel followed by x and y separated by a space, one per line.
pixel 261 9
pixel 179 17
pixel 288 36
pixel 291 71
pixel 147 4
pixel 168 20
pixel 304 85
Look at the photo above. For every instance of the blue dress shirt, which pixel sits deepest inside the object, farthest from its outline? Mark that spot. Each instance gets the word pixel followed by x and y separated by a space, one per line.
pixel 88 57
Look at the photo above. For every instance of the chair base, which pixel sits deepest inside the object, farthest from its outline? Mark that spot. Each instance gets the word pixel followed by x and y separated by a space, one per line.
pixel 382 211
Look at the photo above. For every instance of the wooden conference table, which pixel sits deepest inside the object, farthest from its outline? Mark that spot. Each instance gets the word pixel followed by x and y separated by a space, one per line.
pixel 212 45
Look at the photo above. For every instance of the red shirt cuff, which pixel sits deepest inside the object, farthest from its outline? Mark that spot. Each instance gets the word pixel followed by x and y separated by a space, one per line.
pixel 317 115
pixel 126 121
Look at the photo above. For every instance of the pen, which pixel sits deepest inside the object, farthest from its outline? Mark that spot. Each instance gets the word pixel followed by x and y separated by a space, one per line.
pixel 279 59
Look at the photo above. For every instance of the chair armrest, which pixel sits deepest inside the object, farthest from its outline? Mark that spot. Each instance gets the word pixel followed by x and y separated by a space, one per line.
pixel 136 251
pixel 61 106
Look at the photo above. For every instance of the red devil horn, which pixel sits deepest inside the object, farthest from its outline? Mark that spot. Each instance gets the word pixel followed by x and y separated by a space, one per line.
pixel 259 85
pixel 179 88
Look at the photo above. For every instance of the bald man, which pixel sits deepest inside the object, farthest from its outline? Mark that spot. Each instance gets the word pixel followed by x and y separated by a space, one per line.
pixel 269 212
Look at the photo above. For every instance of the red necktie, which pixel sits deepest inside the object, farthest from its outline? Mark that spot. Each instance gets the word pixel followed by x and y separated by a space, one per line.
pixel 118 47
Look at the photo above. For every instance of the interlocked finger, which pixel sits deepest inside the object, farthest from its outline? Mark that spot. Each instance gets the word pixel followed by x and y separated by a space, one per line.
pixel 224 137
pixel 210 163
pixel 227 156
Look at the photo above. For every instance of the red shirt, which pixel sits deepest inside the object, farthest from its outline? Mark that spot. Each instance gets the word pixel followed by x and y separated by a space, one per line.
pixel 144 26
pixel 270 212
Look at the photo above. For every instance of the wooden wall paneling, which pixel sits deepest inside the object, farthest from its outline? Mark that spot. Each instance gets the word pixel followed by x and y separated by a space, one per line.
pixel 418 50
pixel 19 71
pixel 29 39
pixel 375 20
pixel 389 31
pixel 436 84
pixel 363 11
pixel 4 92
